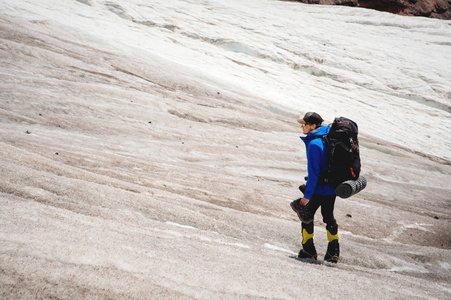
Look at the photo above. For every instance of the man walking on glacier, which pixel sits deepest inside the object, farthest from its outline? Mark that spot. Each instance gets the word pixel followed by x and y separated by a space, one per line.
pixel 316 194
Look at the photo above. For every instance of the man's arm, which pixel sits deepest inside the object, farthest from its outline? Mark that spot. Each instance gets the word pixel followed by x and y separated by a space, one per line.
pixel 314 170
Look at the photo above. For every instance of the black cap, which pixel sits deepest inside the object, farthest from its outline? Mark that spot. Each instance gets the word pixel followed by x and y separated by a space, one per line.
pixel 311 118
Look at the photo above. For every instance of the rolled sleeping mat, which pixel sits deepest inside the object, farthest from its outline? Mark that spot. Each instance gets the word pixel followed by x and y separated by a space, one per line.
pixel 350 187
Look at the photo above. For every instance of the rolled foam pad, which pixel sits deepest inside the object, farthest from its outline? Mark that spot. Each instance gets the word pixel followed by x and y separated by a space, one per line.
pixel 350 187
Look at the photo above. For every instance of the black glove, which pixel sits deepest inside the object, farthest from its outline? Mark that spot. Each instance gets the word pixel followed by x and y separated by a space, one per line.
pixel 302 188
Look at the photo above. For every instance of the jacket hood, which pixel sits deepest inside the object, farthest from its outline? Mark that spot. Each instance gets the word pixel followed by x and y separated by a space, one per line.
pixel 323 130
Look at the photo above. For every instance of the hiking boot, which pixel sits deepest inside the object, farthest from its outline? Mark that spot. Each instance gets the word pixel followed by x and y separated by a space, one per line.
pixel 308 249
pixel 303 212
pixel 305 254
pixel 333 251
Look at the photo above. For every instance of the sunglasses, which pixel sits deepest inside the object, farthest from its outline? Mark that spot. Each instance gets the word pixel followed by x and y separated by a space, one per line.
pixel 305 124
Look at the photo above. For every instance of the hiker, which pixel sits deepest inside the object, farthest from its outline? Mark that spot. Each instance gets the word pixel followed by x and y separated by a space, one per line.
pixel 316 193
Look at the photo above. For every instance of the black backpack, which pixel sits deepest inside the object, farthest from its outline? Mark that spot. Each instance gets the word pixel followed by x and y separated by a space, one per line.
pixel 343 155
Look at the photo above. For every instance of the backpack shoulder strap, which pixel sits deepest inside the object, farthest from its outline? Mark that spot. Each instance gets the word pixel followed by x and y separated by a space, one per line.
pixel 320 137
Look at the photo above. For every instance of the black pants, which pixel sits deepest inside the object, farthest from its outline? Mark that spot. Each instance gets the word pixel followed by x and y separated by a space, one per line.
pixel 327 204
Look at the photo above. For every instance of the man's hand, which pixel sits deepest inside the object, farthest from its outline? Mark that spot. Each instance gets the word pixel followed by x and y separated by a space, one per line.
pixel 304 201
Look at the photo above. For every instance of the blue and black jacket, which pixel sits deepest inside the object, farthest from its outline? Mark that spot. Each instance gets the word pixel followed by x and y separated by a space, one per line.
pixel 316 162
